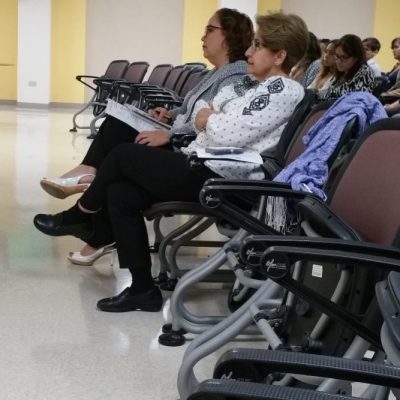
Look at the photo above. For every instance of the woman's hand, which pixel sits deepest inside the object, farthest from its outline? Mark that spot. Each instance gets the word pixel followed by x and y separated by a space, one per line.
pixel 393 107
pixel 153 138
pixel 201 119
pixel 160 113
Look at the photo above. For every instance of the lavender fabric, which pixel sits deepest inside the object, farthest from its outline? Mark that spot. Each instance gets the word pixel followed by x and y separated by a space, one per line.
pixel 309 172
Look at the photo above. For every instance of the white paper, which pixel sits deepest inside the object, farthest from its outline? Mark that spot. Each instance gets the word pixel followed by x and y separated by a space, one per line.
pixel 248 155
pixel 137 119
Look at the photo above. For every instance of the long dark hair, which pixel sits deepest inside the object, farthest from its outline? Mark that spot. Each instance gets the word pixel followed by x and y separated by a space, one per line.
pixel 313 53
pixel 238 31
pixel 352 46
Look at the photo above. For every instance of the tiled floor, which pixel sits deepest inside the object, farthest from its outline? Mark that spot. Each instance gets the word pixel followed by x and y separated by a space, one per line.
pixel 54 343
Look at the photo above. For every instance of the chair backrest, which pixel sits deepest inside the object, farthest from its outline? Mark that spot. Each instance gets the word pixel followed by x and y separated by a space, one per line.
pixel 116 69
pixel 136 71
pixel 159 74
pixel 199 65
pixel 367 192
pixel 193 79
pixel 341 152
pixel 183 78
pixel 296 146
pixel 299 115
pixel 173 77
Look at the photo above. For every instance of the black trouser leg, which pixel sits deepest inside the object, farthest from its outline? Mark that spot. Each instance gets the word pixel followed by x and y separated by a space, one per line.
pixel 103 233
pixel 165 175
pixel 125 205
pixel 131 178
pixel 112 132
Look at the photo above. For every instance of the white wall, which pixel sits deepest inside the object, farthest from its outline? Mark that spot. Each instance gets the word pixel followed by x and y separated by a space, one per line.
pixel 34 40
pixel 333 19
pixel 135 30
pixel 248 7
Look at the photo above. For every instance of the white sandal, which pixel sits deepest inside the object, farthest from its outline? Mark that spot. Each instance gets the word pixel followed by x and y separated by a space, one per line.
pixel 77 258
pixel 64 187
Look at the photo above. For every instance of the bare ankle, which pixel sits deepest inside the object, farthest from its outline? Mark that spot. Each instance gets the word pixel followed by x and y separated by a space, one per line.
pixel 81 169
pixel 85 210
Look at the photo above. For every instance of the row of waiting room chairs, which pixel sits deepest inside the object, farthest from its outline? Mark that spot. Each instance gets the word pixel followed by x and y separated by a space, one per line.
pixel 365 196
pixel 359 237
pixel 342 270
pixel 123 82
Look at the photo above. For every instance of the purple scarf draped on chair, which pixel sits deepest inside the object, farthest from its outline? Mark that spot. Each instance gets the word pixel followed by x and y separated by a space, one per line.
pixel 309 172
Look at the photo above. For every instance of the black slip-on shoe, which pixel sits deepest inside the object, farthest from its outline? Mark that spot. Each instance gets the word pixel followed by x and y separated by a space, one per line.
pixel 125 301
pixel 53 225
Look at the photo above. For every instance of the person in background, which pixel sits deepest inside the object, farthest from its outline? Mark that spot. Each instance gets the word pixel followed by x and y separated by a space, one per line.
pixel 372 47
pixel 323 43
pixel 307 68
pixel 395 46
pixel 250 114
pixel 226 38
pixel 393 93
pixel 327 71
pixel 353 73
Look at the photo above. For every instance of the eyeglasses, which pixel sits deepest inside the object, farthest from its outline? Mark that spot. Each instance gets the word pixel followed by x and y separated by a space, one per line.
pixel 342 57
pixel 210 28
pixel 256 45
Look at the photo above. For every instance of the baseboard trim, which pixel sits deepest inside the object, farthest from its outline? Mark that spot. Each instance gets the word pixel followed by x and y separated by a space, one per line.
pixel 53 104
pixel 8 102
pixel 41 106
pixel 56 104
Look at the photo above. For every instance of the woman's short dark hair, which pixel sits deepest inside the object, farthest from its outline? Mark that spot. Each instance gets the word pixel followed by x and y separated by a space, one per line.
pixel 352 46
pixel 394 41
pixel 279 31
pixel 372 43
pixel 238 31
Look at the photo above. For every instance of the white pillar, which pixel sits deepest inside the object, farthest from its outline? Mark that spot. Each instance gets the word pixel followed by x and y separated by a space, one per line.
pixel 248 7
pixel 34 51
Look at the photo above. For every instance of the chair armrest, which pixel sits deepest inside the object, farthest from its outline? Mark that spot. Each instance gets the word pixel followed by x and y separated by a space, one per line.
pixel 270 361
pixel 246 182
pixel 81 78
pixel 224 389
pixel 214 195
pixel 277 263
pixel 300 248
pixel 156 96
pixel 155 91
pixel 179 141
pixel 164 102
pixel 307 203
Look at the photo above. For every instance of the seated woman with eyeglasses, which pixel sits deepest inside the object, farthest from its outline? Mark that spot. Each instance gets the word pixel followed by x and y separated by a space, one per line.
pixel 132 177
pixel 226 37
pixel 326 75
pixel 353 73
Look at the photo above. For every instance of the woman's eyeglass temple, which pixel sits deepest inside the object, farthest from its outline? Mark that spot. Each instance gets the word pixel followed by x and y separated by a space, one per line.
pixel 256 45
pixel 342 57
pixel 211 28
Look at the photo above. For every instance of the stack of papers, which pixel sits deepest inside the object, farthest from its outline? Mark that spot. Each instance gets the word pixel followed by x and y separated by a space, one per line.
pixel 134 117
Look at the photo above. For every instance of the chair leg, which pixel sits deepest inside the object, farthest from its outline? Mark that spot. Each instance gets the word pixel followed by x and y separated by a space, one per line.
pixel 75 125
